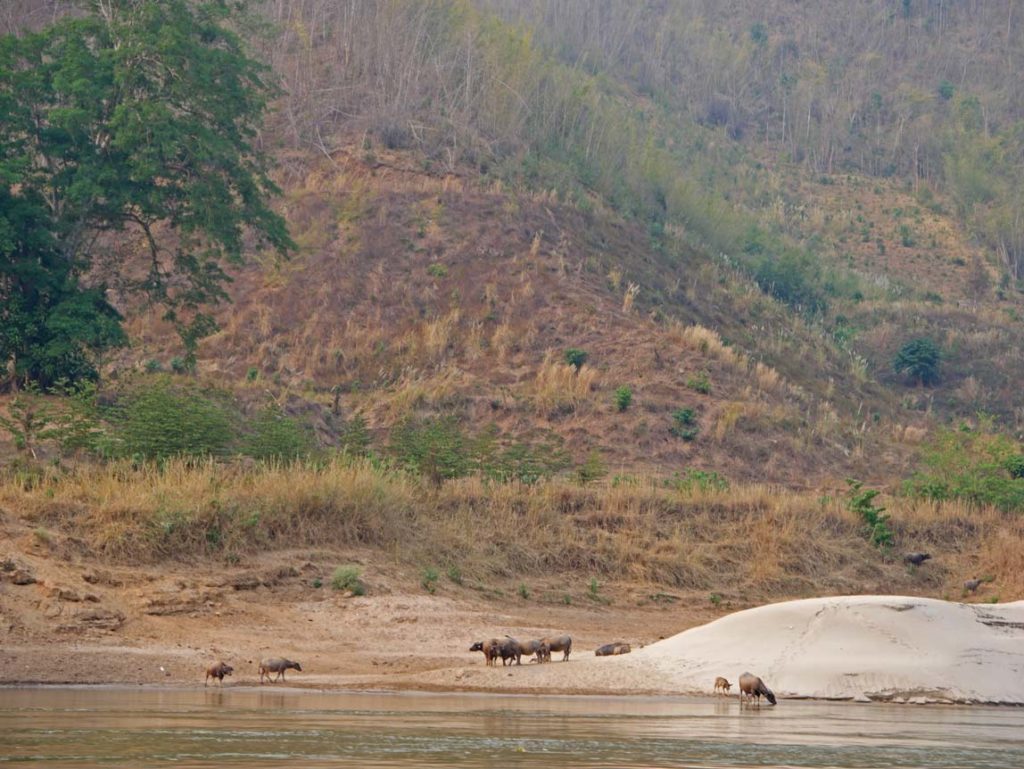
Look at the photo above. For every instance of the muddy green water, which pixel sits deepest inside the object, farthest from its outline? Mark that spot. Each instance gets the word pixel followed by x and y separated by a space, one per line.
pixel 118 727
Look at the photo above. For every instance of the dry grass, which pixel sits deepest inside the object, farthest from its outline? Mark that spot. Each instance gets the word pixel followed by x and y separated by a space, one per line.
pixel 703 340
pixel 561 387
pixel 768 379
pixel 762 541
pixel 629 297
pixel 437 335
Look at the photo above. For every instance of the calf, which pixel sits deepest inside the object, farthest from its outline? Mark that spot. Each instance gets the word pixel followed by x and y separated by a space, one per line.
pixel 218 671
pixel 491 649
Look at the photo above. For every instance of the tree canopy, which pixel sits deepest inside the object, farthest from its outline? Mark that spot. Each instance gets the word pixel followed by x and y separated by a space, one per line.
pixel 135 118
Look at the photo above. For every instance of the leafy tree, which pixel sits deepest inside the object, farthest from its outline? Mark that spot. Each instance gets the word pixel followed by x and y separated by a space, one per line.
pixel 134 117
pixel 920 358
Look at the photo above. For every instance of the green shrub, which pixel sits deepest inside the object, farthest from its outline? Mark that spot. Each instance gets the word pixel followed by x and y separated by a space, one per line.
pixel 524 591
pixel 920 358
pixel 1015 466
pixel 274 435
pixel 355 437
pixel 181 366
pixel 705 480
pixel 623 397
pixel 437 270
pixel 861 502
pixel 575 357
pixel 592 469
pixel 428 579
pixel 793 278
pixel 162 420
pixel 684 424
pixel 252 374
pixel 455 574
pixel 348 578
pixel 521 461
pixel 907 236
pixel 700 383
pixel 433 447
pixel 153 366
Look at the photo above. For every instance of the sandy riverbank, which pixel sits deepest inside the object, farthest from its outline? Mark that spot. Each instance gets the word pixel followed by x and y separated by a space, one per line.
pixel 68 620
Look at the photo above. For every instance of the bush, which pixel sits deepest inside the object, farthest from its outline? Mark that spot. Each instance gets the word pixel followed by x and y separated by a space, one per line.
pixel 434 447
pixel 275 435
pixel 521 461
pixel 704 480
pixel 162 420
pixel 920 358
pixel 1015 466
pixel 700 383
pixel 355 438
pixel 685 424
pixel 792 278
pixel 861 502
pixel 575 357
pixel 623 397
pixel 428 579
pixel 437 270
pixel 592 469
pixel 348 578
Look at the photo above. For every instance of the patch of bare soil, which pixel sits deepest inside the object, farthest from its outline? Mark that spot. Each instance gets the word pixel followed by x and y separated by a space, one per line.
pixel 65 619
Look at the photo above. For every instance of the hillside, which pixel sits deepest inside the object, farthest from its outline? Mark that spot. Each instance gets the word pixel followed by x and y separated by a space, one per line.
pixel 533 271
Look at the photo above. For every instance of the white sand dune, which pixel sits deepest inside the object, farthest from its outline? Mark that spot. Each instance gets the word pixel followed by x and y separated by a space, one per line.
pixel 859 647
pixel 873 647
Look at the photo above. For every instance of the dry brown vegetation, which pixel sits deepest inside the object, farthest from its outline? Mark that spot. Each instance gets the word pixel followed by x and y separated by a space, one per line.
pixel 746 542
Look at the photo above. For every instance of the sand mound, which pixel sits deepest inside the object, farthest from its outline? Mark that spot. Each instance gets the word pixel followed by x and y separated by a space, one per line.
pixel 854 647
pixel 860 647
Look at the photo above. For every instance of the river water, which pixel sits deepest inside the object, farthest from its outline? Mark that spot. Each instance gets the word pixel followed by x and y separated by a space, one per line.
pixel 65 727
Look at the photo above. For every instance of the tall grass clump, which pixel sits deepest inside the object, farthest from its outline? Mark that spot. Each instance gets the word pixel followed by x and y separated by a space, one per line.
pixel 560 388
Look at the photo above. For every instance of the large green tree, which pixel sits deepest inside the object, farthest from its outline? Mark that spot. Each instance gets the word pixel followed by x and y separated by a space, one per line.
pixel 127 155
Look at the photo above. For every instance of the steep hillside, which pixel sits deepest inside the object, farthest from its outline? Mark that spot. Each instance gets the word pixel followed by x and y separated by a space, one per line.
pixel 417 293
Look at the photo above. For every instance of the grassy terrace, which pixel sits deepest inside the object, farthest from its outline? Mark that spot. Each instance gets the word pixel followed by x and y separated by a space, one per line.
pixel 746 542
